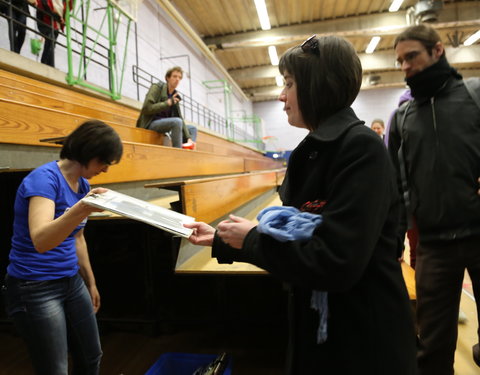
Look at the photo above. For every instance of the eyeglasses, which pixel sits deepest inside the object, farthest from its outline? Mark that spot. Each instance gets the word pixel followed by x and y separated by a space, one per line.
pixel 311 45
pixel 409 58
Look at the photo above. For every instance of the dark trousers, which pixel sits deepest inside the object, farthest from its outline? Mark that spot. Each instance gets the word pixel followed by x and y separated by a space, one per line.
pixel 18 29
pixel 439 277
pixel 16 26
pixel 50 35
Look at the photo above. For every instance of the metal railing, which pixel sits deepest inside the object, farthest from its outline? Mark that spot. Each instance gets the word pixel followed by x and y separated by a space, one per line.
pixel 14 16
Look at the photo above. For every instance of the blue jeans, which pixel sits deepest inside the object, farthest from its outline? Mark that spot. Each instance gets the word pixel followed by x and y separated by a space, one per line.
pixel 55 316
pixel 174 125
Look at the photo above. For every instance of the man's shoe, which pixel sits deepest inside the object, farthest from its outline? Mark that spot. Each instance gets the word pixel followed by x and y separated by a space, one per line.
pixel 189 145
pixel 476 354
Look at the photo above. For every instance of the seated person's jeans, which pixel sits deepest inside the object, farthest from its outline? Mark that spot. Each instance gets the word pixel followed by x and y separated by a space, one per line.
pixel 53 317
pixel 174 125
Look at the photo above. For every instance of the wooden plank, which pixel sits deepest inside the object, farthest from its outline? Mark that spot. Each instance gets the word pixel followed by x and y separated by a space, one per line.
pixel 202 262
pixel 67 94
pixel 212 143
pixel 261 164
pixel 27 124
pixel 150 162
pixel 207 201
pixel 19 96
pixel 181 182
pixel 409 276
pixel 281 176
pixel 197 260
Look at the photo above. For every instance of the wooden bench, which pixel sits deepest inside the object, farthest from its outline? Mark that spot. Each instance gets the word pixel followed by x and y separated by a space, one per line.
pixel 69 98
pixel 409 277
pixel 208 199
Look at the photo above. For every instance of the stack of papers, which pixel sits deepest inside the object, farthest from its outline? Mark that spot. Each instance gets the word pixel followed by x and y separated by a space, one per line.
pixel 137 209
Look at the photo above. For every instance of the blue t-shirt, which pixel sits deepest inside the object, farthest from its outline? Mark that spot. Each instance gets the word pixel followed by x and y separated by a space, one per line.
pixel 25 262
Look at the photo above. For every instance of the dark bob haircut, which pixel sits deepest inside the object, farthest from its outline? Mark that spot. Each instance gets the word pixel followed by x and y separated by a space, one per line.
pixel 93 140
pixel 422 33
pixel 328 77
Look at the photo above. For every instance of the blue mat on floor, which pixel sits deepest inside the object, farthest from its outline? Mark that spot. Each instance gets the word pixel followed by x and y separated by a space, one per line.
pixel 183 364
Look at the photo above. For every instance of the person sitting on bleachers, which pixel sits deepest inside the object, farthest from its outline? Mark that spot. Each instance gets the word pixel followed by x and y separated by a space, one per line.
pixel 161 111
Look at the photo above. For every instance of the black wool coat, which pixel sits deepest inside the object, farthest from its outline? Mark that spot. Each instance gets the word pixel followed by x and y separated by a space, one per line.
pixel 341 171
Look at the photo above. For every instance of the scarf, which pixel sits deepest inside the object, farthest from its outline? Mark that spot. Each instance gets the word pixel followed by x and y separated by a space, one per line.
pixel 426 83
pixel 290 224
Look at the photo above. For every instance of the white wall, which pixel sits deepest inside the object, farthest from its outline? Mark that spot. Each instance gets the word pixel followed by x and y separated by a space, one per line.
pixel 370 104
pixel 276 124
pixel 377 103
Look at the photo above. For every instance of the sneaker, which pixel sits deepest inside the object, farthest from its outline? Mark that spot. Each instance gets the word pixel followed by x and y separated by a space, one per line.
pixel 462 317
pixel 189 146
pixel 476 354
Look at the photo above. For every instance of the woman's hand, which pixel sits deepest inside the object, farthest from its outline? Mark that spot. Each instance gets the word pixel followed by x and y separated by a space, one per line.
pixel 95 296
pixel 89 208
pixel 202 233
pixel 234 231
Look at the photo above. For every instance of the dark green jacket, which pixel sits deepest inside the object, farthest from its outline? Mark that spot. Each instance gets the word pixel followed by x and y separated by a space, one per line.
pixel 156 102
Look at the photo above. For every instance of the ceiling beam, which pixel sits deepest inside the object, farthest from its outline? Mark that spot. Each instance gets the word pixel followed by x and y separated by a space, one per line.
pixel 452 15
pixel 382 60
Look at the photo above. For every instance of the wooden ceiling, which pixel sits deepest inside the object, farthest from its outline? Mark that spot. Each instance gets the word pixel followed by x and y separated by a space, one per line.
pixel 231 30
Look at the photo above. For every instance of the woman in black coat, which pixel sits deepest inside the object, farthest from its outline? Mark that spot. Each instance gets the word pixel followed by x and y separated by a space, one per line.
pixel 341 171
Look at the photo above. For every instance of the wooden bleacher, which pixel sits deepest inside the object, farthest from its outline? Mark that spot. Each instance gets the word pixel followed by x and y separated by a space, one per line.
pixel 130 257
pixel 31 110
pixel 208 199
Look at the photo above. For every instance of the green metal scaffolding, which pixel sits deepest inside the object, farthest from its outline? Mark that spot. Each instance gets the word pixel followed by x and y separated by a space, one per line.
pixel 112 16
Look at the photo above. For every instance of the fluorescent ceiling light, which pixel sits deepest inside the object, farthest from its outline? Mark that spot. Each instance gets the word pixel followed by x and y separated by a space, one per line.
pixel 472 39
pixel 373 44
pixel 272 52
pixel 279 80
pixel 395 5
pixel 263 14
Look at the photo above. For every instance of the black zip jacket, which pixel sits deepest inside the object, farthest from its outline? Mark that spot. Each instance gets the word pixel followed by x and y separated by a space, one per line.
pixel 441 150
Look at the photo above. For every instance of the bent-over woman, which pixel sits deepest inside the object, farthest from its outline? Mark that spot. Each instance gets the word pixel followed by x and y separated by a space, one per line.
pixel 50 288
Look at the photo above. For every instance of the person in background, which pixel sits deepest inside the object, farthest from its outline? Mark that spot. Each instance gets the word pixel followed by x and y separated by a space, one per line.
pixel 17 24
pixel 378 127
pixel 434 143
pixel 161 111
pixel 349 308
pixel 50 290
pixel 50 20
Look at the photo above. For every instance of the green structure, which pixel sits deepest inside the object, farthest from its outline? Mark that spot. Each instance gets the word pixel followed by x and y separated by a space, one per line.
pixel 105 33
pixel 234 123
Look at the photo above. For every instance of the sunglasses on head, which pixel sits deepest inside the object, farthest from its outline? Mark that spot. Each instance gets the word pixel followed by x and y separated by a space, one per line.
pixel 311 45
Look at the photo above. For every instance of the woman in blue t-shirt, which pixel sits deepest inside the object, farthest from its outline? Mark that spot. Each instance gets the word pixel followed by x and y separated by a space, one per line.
pixel 51 293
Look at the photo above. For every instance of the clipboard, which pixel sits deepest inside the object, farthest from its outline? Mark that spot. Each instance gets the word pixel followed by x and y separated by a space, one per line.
pixel 140 210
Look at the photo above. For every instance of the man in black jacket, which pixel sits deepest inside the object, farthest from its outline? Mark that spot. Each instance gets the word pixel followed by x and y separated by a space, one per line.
pixel 434 142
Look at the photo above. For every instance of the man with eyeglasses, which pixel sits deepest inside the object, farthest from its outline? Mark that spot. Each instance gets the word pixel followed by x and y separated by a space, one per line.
pixel 434 142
